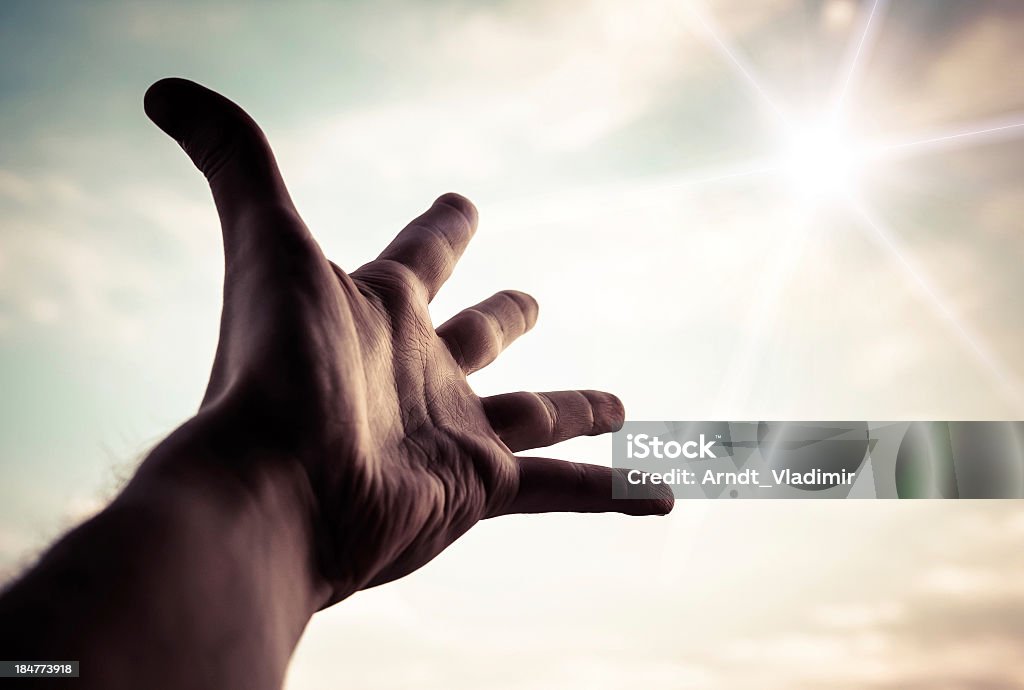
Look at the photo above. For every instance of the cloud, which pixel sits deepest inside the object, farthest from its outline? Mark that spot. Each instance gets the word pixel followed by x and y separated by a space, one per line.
pixel 500 85
pixel 930 56
pixel 958 625
pixel 15 187
pixel 93 258
pixel 850 602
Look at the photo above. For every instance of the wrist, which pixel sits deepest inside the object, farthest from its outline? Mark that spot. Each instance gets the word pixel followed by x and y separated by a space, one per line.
pixel 197 577
pixel 256 502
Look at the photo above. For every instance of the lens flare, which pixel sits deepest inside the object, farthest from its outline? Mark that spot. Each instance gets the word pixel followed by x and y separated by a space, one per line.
pixel 821 161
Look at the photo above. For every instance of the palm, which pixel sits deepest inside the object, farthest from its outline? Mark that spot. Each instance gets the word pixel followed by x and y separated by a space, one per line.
pixel 346 373
pixel 431 464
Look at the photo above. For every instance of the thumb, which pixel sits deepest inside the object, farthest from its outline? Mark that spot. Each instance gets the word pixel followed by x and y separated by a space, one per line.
pixel 225 144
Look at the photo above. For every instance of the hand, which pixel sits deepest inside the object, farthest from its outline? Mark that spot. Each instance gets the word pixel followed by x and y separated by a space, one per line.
pixel 341 381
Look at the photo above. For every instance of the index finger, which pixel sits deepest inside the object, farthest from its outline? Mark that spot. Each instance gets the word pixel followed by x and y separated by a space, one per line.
pixel 431 244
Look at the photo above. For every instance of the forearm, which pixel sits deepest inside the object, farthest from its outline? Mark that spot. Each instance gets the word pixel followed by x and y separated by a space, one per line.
pixel 186 580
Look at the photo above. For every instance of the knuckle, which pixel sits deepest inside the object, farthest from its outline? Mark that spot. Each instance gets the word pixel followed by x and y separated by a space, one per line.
pixel 210 154
pixel 606 411
pixel 524 303
pixel 481 325
pixel 479 338
pixel 432 241
pixel 544 414
pixel 221 142
pixel 582 479
pixel 398 285
pixel 587 412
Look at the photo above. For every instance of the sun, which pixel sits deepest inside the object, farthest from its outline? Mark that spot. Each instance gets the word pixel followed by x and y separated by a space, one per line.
pixel 821 161
pixel 824 166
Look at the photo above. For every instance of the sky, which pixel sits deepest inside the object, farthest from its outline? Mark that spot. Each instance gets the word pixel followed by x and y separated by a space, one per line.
pixel 625 158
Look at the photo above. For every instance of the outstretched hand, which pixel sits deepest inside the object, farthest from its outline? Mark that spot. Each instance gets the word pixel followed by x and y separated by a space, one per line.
pixel 340 380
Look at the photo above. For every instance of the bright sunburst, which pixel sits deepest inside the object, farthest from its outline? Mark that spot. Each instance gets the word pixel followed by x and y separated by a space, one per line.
pixel 821 161
pixel 822 164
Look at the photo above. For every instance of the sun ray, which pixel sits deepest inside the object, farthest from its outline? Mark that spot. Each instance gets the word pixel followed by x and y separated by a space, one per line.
pixel 570 205
pixel 771 285
pixel 750 168
pixel 998 370
pixel 734 57
pixel 856 54
pixel 1003 128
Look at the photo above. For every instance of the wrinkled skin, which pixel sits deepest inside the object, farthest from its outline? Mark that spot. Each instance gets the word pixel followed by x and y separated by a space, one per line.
pixel 341 381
